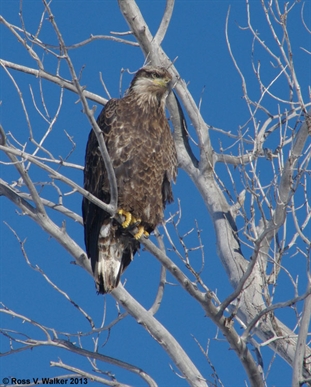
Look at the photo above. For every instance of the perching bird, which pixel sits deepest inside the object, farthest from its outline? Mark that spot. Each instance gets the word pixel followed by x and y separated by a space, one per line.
pixel 143 156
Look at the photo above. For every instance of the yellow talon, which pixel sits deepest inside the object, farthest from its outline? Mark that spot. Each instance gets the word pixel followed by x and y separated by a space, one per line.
pixel 140 232
pixel 128 218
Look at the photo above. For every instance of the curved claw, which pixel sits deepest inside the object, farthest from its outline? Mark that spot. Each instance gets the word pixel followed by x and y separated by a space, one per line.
pixel 141 231
pixel 128 218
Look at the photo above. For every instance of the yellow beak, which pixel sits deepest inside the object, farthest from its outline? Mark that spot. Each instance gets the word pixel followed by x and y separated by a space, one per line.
pixel 161 81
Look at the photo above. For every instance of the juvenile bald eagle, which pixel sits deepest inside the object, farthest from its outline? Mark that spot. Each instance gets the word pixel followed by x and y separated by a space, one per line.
pixel 143 155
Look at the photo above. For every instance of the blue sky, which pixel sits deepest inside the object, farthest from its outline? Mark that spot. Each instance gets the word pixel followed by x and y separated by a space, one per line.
pixel 197 37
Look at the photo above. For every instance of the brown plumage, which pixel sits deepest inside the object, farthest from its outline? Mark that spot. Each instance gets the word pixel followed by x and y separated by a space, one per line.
pixel 143 155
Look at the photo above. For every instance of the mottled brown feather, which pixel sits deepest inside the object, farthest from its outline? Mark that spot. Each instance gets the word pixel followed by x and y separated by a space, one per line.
pixel 143 155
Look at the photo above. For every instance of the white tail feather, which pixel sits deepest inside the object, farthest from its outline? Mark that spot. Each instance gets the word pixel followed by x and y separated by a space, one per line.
pixel 109 264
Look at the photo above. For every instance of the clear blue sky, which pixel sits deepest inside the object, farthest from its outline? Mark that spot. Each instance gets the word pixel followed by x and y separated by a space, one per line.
pixel 197 37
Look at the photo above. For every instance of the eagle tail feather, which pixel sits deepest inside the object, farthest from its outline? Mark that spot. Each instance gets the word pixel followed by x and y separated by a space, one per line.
pixel 110 264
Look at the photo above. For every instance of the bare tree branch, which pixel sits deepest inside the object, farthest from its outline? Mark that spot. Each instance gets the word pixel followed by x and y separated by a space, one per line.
pixel 299 360
pixel 161 335
pixel 91 377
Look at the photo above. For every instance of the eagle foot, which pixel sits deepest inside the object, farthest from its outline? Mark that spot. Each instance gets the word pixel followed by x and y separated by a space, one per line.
pixel 141 231
pixel 128 218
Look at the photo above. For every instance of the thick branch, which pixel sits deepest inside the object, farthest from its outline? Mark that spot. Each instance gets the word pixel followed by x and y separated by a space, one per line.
pixel 162 336
pixel 159 36
pixel 298 364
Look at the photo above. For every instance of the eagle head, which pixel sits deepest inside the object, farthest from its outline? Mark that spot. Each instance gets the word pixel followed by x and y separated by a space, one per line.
pixel 151 83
